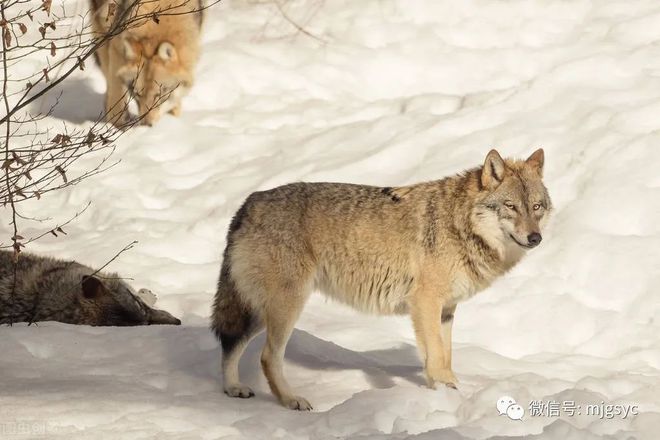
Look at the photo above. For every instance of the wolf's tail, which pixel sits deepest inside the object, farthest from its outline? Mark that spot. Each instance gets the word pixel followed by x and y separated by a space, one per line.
pixel 232 320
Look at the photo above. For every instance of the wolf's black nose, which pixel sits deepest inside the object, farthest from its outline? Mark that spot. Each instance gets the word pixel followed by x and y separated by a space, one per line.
pixel 534 238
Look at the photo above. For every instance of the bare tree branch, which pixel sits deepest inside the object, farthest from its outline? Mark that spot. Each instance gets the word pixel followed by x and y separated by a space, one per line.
pixel 39 153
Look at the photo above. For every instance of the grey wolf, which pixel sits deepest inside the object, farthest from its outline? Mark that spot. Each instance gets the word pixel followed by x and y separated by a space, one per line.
pixel 418 250
pixel 153 60
pixel 48 289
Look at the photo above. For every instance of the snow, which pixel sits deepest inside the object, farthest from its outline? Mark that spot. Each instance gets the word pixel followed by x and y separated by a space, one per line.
pixel 402 91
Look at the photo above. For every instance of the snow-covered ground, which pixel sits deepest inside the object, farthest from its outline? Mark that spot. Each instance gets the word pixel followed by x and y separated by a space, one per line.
pixel 401 91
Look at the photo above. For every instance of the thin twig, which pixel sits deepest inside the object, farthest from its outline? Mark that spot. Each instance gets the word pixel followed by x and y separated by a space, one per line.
pixel 296 25
pixel 15 238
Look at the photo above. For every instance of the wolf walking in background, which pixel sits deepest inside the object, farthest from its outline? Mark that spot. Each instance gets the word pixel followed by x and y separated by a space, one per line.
pixel 152 61
pixel 53 290
pixel 417 250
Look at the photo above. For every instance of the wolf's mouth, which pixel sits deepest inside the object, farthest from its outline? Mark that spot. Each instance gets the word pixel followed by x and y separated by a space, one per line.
pixel 526 246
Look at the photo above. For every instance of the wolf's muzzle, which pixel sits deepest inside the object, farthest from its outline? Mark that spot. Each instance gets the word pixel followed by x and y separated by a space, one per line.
pixel 534 239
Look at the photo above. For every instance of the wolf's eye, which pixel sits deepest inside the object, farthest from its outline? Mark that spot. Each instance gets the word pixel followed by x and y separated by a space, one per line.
pixel 510 205
pixel 536 206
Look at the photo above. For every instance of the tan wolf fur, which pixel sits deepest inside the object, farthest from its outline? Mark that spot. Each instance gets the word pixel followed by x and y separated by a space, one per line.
pixel 151 62
pixel 417 250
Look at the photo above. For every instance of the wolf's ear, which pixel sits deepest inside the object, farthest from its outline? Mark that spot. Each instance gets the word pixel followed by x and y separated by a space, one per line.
pixel 493 172
pixel 92 287
pixel 166 51
pixel 535 161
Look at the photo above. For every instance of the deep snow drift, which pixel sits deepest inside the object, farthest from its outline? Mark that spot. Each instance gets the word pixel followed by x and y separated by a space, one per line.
pixel 402 91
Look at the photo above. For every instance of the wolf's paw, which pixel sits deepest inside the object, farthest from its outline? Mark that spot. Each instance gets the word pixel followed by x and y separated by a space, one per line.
pixel 241 391
pixel 442 377
pixel 147 296
pixel 297 403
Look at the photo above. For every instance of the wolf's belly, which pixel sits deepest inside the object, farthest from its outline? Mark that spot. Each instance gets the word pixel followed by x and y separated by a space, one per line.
pixel 379 289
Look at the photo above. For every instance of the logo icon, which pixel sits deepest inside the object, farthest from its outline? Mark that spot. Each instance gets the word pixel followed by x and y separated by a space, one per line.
pixel 506 405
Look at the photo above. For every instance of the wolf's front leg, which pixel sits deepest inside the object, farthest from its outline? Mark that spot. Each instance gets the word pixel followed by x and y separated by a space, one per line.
pixel 116 98
pixel 176 110
pixel 426 311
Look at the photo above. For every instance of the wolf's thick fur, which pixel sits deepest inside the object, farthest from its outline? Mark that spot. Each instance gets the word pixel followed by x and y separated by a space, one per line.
pixel 54 290
pixel 417 250
pixel 152 62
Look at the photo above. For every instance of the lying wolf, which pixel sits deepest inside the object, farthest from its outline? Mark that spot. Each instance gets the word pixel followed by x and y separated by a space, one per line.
pixel 53 290
pixel 418 250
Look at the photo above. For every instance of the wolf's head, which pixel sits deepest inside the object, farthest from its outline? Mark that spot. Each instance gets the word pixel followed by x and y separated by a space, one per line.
pixel 114 303
pixel 154 76
pixel 514 205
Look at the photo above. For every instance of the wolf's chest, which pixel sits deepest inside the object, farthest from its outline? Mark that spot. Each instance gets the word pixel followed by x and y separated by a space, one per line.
pixel 463 287
pixel 466 283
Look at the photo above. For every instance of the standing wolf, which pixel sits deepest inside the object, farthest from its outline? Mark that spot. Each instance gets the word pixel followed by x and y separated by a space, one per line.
pixel 153 61
pixel 53 290
pixel 417 250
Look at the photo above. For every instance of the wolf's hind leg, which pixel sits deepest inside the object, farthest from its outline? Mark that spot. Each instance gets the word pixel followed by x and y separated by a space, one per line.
pixel 233 347
pixel 280 321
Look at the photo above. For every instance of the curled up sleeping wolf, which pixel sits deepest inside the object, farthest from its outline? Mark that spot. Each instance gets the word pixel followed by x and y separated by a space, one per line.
pixel 153 61
pixel 417 250
pixel 54 290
